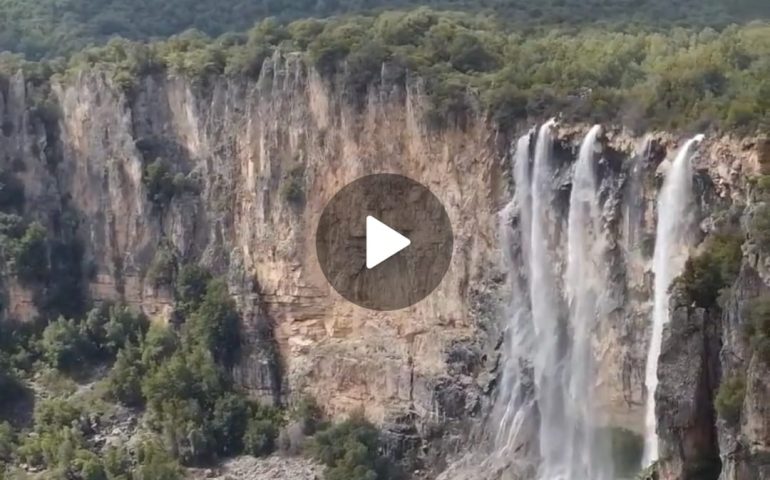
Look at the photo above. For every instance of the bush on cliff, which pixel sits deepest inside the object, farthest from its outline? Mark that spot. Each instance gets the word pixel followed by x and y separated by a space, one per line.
pixel 729 399
pixel 351 450
pixel 713 269
pixel 759 228
pixel 758 326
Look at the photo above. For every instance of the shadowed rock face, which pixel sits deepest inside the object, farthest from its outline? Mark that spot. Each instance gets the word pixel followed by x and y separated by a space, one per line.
pixel 688 369
pixel 260 160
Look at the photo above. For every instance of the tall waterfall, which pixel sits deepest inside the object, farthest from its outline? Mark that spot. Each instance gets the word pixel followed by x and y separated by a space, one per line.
pixel 585 282
pixel 546 387
pixel 672 238
pixel 547 315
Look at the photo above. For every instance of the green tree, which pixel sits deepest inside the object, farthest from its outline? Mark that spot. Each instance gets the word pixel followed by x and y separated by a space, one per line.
pixel 229 422
pixel 259 437
pixel 124 382
pixel 191 284
pixel 729 399
pixel 64 345
pixel 216 324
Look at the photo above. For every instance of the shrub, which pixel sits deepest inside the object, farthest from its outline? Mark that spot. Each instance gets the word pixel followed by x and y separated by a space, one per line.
pixel 191 286
pixel 65 345
pixel 715 268
pixel 216 324
pixel 10 387
pixel 759 228
pixel 308 414
pixel 163 267
pixel 159 182
pixel 112 327
pixel 259 438
pixel 350 450
pixel 154 463
pixel 729 399
pixel 30 255
pixel 229 421
pixel 758 326
pixel 7 442
pixel 159 344
pixel 124 382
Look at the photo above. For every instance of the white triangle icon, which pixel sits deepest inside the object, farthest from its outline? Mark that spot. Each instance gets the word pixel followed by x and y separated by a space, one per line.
pixel 382 242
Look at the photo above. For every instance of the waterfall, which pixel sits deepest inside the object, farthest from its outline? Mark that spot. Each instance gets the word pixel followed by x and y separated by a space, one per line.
pixel 585 282
pixel 515 408
pixel 564 323
pixel 547 314
pixel 671 241
pixel 544 424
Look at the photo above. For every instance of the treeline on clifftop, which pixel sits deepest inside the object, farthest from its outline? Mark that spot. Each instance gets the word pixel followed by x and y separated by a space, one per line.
pixel 43 28
pixel 682 79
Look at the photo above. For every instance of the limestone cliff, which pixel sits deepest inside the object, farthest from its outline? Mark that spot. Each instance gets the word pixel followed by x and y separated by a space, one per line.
pixel 241 145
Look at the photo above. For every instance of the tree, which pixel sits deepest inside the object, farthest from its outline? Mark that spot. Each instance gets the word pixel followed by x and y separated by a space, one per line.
pixel 216 324
pixel 64 344
pixel 729 399
pixel 124 382
pixel 229 422
pixel 259 438
pixel 191 285
pixel 30 255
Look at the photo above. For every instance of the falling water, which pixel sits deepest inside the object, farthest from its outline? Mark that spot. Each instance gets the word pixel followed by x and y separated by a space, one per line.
pixel 585 281
pixel 546 314
pixel 516 425
pixel 672 239
pixel 543 418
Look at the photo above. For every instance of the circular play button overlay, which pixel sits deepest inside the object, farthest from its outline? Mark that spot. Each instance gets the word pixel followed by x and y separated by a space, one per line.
pixel 384 242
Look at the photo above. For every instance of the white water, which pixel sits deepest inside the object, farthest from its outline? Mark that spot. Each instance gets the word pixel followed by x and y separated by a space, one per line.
pixel 515 407
pixel 546 316
pixel 555 332
pixel 585 282
pixel 675 222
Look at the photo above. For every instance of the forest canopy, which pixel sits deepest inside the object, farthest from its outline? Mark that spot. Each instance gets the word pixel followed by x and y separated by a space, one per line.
pixel 46 28
pixel 683 79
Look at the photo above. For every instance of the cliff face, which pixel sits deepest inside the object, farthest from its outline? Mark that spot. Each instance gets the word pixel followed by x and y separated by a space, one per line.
pixel 240 146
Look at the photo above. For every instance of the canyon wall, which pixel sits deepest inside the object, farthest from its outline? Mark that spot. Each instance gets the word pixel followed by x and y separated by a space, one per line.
pixel 240 146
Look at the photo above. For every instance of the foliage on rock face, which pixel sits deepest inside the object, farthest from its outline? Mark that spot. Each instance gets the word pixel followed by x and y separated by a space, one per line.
pixel 191 287
pixel 351 451
pixel 163 267
pixel 713 269
pixel 759 228
pixel 758 326
pixel 729 399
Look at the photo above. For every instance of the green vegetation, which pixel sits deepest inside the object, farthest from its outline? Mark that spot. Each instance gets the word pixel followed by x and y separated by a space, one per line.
pixel 47 27
pixel 161 183
pixel 758 326
pixel 713 269
pixel 759 227
pixel 676 79
pixel 163 266
pixel 729 399
pixel 351 450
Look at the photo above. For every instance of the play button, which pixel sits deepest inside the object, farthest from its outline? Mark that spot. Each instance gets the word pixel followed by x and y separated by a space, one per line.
pixel 384 242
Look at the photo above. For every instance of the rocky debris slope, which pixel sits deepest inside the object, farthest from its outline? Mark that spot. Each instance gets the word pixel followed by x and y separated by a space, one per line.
pixel 274 467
